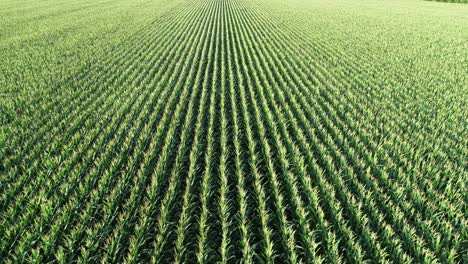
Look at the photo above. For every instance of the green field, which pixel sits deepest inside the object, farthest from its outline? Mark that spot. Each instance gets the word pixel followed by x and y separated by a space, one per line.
pixel 231 131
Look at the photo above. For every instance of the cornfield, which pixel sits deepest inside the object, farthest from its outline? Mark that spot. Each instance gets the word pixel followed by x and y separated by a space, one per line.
pixel 233 131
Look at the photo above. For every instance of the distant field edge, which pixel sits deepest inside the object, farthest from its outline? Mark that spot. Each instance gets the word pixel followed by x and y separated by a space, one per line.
pixel 451 1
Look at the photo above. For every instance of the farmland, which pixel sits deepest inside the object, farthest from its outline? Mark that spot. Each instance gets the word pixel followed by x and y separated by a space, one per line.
pixel 231 131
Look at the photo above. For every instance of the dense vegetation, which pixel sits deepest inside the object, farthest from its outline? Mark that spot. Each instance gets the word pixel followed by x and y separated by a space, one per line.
pixel 452 1
pixel 233 130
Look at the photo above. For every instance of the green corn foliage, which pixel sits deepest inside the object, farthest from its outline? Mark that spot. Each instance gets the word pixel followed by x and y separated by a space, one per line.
pixel 233 131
